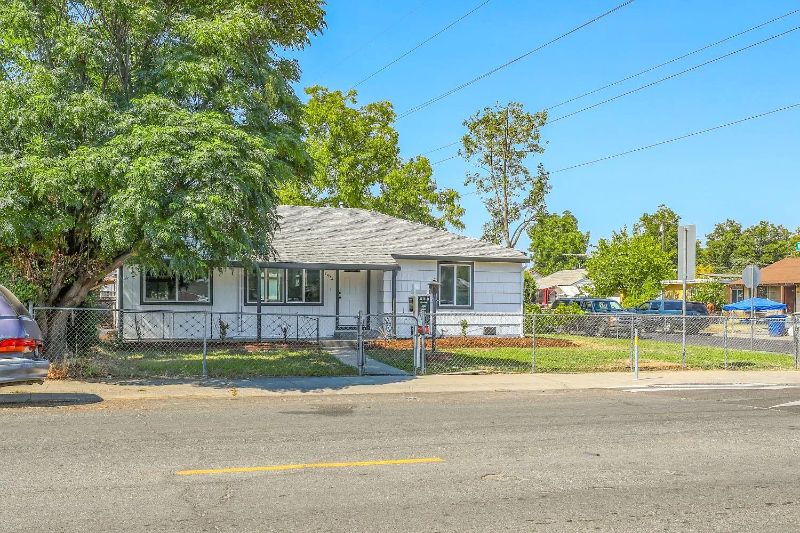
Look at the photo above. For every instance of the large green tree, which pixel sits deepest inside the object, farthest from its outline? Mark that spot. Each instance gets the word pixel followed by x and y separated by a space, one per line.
pixel 721 245
pixel 652 224
pixel 139 130
pixel 762 244
pixel 557 243
pixel 357 163
pixel 633 265
pixel 499 142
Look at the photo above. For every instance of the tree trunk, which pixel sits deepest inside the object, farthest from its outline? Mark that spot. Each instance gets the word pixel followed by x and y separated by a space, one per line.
pixel 54 324
pixel 66 330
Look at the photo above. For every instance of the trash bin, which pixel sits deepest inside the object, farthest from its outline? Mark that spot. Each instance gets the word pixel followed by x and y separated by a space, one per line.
pixel 776 325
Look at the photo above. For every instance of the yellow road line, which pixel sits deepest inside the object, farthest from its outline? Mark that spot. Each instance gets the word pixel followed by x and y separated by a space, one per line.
pixel 311 465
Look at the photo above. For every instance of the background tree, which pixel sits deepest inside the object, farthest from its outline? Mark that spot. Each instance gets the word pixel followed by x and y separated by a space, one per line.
pixel 135 131
pixel 713 292
pixel 556 243
pixel 721 245
pixel 762 245
pixel 498 143
pixel 529 289
pixel 357 164
pixel 650 224
pixel 633 265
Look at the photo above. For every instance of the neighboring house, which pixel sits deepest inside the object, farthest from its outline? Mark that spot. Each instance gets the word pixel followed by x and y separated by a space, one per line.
pixel 341 262
pixel 779 282
pixel 562 283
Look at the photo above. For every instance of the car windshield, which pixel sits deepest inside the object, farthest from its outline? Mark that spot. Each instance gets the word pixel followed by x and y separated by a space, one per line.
pixel 609 305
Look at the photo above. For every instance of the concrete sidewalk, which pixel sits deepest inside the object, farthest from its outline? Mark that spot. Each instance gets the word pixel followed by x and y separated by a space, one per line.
pixel 67 391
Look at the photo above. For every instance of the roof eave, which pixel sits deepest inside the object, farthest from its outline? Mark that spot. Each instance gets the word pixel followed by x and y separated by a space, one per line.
pixel 323 266
pixel 473 259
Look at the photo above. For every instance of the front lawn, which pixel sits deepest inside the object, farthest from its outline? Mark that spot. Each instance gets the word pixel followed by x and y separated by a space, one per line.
pixel 220 363
pixel 586 354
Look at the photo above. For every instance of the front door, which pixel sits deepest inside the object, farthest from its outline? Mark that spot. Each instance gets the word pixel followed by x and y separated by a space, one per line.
pixel 352 297
pixel 790 298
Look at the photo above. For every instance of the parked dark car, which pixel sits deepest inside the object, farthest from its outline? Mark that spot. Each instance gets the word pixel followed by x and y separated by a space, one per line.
pixel 616 323
pixel 670 309
pixel 20 343
pixel 590 305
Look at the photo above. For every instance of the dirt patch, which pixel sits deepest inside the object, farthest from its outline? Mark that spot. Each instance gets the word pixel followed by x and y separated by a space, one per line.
pixel 473 342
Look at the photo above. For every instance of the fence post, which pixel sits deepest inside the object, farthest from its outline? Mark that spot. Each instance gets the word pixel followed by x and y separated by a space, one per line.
pixel 725 339
pixel 533 344
pixel 796 335
pixel 423 368
pixel 417 353
pixel 636 353
pixel 205 344
pixel 319 346
pixel 683 338
pixel 632 348
pixel 297 326
pixel 359 346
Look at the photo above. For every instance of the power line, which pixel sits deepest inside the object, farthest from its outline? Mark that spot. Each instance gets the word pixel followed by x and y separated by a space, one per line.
pixel 642 72
pixel 445 159
pixel 673 75
pixel 674 139
pixel 440 148
pixel 504 65
pixel 395 23
pixel 668 141
pixel 423 43
pixel 684 56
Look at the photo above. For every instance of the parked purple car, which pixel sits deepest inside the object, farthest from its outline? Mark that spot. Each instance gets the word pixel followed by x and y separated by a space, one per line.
pixel 20 343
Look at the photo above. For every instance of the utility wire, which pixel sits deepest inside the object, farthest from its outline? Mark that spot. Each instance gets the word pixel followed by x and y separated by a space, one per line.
pixel 674 139
pixel 440 148
pixel 673 75
pixel 684 56
pixel 395 23
pixel 504 65
pixel 649 84
pixel 423 43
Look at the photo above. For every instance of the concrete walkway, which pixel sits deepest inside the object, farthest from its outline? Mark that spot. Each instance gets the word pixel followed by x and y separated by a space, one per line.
pixel 348 356
pixel 67 391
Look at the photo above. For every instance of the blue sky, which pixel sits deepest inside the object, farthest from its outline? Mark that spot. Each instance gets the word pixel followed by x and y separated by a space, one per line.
pixel 747 172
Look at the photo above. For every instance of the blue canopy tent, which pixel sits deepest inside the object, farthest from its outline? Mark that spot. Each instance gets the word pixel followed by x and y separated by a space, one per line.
pixel 758 304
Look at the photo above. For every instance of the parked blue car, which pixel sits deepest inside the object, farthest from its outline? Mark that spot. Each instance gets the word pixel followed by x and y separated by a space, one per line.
pixel 670 309
pixel 20 343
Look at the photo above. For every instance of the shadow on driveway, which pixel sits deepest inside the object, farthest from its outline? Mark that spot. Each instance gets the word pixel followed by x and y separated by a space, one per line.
pixel 14 399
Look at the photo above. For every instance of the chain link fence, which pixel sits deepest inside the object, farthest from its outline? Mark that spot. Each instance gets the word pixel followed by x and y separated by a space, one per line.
pixel 121 344
pixel 607 342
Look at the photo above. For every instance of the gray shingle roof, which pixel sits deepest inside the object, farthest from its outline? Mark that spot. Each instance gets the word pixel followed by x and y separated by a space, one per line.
pixel 357 237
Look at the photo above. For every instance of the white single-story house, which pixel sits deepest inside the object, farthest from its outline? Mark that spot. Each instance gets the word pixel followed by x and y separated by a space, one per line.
pixel 336 263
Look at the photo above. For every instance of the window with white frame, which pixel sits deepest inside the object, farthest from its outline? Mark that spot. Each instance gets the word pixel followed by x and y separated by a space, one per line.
pixel 171 288
pixel 286 286
pixel 456 280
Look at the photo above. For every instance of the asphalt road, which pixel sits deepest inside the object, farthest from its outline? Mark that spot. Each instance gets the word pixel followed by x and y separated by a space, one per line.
pixel 670 460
